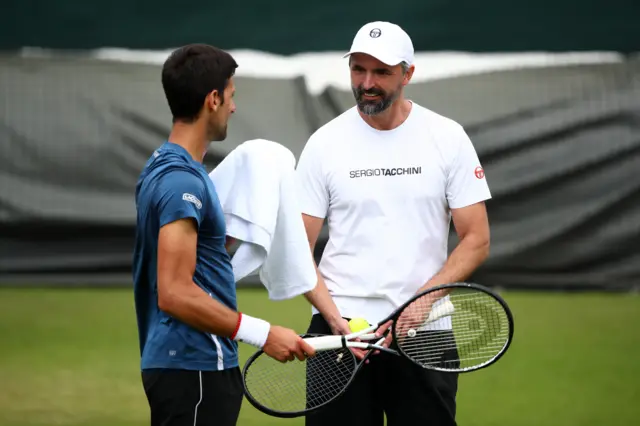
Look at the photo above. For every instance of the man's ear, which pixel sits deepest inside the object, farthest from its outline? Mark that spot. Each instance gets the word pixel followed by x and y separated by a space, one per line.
pixel 408 75
pixel 213 101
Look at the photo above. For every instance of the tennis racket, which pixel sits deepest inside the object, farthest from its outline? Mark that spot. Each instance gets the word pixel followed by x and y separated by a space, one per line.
pixel 457 328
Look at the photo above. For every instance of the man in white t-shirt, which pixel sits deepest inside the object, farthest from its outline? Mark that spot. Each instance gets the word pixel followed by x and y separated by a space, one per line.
pixel 389 175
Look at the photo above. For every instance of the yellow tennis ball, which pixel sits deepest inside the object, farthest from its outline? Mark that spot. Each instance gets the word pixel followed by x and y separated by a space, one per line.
pixel 357 324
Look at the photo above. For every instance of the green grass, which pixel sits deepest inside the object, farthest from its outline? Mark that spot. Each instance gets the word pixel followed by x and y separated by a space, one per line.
pixel 70 357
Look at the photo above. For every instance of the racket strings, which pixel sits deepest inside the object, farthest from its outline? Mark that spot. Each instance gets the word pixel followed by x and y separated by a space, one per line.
pixel 470 332
pixel 297 386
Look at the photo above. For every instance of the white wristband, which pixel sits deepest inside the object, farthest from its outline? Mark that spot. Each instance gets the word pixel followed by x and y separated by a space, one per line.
pixel 252 331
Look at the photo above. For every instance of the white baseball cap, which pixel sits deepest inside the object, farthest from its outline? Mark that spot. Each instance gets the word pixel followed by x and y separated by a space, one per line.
pixel 384 41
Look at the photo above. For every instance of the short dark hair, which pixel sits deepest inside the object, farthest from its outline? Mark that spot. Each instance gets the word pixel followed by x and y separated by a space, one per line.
pixel 190 73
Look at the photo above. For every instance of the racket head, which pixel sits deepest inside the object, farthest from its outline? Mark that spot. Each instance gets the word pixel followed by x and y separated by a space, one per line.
pixel 295 388
pixel 475 328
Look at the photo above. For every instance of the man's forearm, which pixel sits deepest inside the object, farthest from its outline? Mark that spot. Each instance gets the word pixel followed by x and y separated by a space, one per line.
pixel 322 300
pixel 470 253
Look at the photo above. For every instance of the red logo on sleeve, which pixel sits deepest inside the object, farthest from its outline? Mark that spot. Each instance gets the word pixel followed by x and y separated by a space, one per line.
pixel 479 172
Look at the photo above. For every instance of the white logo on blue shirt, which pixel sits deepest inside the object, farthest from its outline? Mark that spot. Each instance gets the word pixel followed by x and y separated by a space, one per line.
pixel 192 199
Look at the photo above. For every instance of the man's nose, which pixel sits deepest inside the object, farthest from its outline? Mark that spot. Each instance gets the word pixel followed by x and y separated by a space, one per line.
pixel 369 82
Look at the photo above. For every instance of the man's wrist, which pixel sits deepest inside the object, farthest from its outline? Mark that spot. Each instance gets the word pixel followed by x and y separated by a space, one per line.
pixel 433 282
pixel 425 286
pixel 250 330
pixel 334 320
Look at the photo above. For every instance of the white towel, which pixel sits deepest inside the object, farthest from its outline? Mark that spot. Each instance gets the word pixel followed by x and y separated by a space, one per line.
pixel 257 189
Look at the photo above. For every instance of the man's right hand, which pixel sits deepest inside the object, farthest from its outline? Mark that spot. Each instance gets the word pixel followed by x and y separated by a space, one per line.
pixel 284 345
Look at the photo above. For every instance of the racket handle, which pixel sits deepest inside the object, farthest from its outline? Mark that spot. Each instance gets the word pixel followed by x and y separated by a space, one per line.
pixel 369 336
pixel 325 342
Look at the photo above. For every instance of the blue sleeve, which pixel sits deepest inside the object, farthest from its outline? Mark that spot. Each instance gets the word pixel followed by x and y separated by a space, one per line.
pixel 180 195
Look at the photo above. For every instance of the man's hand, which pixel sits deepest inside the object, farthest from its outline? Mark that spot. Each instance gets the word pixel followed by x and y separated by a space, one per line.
pixel 340 326
pixel 413 317
pixel 284 345
pixel 388 338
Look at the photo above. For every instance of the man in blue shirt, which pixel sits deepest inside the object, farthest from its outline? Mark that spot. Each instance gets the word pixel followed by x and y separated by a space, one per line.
pixel 184 287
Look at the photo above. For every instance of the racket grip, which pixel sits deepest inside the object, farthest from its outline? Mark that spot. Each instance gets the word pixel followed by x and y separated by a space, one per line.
pixel 325 342
pixel 369 336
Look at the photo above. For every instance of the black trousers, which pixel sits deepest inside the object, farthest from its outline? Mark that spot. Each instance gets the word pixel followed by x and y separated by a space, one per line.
pixel 193 398
pixel 393 386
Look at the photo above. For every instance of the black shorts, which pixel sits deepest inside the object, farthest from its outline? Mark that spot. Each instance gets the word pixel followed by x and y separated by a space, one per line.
pixel 389 385
pixel 193 398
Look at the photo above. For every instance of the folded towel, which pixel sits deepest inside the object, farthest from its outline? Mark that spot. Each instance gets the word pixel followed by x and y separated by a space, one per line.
pixel 256 185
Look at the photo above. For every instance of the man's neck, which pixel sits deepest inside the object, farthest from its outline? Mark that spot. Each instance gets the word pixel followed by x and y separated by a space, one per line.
pixel 393 117
pixel 191 137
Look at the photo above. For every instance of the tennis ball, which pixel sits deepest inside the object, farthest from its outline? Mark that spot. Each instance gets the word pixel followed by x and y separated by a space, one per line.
pixel 357 324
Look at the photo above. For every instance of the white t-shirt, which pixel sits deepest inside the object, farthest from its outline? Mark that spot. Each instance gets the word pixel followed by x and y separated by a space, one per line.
pixel 386 196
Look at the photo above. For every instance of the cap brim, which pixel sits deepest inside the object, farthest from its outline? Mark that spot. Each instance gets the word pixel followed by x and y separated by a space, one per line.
pixel 385 59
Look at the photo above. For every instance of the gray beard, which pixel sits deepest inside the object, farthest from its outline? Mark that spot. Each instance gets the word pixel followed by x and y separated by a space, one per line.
pixel 373 108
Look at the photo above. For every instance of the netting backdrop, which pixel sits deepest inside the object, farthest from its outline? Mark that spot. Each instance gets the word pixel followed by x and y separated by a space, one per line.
pixel 560 146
